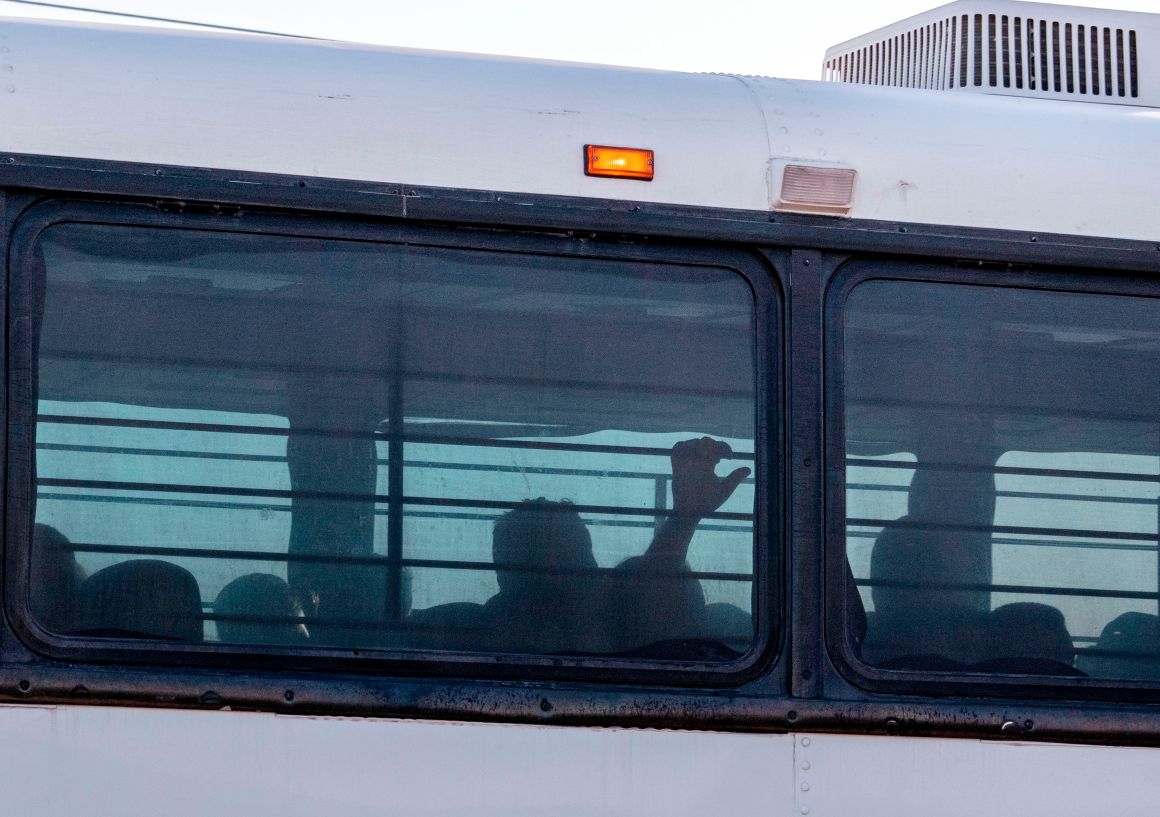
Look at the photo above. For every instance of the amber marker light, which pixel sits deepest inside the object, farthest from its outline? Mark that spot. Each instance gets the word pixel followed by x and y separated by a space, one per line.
pixel 618 163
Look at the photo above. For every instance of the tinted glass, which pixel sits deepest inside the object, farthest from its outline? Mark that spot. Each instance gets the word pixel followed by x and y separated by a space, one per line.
pixel 1003 474
pixel 306 442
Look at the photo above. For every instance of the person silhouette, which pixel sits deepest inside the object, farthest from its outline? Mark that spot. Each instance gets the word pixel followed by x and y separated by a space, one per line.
pixel 552 596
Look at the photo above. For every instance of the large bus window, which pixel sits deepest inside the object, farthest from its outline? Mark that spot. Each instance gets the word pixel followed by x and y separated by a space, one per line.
pixel 291 442
pixel 1003 478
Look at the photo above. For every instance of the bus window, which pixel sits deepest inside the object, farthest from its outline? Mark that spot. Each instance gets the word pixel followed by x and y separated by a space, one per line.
pixel 315 442
pixel 1018 534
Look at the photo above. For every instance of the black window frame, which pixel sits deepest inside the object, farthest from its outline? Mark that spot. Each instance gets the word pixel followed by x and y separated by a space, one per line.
pixel 802 687
pixel 851 273
pixel 769 578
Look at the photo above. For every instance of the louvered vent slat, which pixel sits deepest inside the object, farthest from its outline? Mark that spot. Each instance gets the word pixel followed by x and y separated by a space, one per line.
pixel 1013 48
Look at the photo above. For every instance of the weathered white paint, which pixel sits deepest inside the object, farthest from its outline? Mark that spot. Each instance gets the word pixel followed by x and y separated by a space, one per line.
pixel 851 775
pixel 112 762
pixel 453 120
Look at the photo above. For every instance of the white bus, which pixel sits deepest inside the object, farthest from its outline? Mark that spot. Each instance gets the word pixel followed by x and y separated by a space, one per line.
pixel 397 432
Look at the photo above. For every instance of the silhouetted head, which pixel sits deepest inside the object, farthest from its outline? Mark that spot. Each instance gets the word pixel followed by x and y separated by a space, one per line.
pixel 55 579
pixel 923 613
pixel 268 600
pixel 925 564
pixel 536 539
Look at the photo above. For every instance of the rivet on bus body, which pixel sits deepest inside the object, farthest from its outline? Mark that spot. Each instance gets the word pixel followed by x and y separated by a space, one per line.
pixel 805 786
pixel 805 741
pixel 791 716
pixel 1028 725
pixel 10 89
pixel 805 765
pixel 25 686
pixel 545 705
pixel 805 809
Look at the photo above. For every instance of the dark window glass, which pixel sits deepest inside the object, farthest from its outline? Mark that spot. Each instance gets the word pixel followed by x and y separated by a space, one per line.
pixel 1002 478
pixel 322 443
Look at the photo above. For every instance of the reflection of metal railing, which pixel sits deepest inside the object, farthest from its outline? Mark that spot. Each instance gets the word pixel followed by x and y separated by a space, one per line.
pixel 866 462
pixel 226 497
pixel 868 529
pixel 1020 589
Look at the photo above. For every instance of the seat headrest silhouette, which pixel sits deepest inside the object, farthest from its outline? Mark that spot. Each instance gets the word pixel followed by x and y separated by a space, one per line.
pixel 142 598
pixel 1128 647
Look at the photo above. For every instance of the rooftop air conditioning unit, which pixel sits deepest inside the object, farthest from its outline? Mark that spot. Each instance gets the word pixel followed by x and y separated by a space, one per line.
pixel 1011 48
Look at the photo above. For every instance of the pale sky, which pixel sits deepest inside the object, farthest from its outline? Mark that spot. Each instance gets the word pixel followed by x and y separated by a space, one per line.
pixel 784 38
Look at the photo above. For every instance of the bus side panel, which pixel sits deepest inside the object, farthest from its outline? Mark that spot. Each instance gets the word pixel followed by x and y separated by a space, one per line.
pixel 901 777
pixel 408 116
pixel 120 762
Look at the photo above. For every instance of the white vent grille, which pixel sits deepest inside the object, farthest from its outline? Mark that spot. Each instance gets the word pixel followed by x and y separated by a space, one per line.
pixel 1024 49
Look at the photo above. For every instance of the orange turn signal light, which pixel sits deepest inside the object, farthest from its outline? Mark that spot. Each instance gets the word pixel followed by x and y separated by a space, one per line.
pixel 618 163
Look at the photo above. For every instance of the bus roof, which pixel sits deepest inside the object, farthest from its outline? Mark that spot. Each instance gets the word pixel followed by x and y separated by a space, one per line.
pixel 321 109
